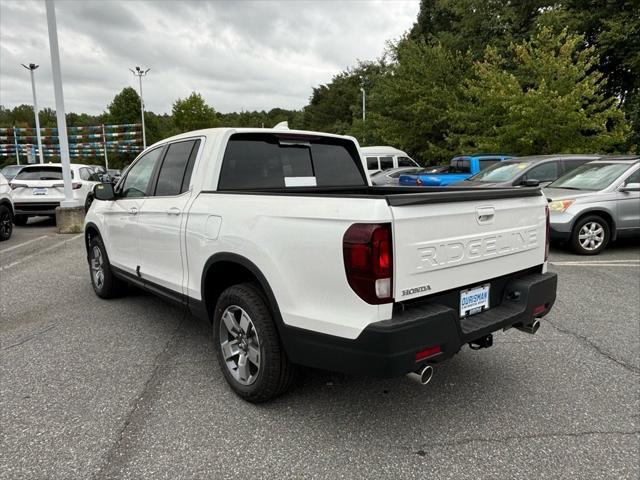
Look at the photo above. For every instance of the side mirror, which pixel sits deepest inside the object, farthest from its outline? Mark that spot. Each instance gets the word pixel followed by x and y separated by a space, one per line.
pixel 104 191
pixel 531 182
pixel 630 187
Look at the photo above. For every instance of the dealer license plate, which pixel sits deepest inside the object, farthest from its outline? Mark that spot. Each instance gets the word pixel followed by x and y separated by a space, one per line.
pixel 474 300
pixel 40 191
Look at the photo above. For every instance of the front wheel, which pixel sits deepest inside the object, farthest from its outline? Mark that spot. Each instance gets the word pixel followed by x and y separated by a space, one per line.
pixel 590 235
pixel 104 283
pixel 247 345
pixel 6 222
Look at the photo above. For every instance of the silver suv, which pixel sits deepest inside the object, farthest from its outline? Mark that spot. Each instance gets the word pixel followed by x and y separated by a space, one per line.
pixel 596 203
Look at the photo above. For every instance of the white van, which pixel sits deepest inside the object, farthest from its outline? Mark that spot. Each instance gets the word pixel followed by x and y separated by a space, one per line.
pixel 383 158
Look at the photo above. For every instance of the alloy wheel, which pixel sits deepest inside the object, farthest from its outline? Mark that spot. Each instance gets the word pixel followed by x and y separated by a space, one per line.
pixel 591 236
pixel 97 267
pixel 5 225
pixel 240 345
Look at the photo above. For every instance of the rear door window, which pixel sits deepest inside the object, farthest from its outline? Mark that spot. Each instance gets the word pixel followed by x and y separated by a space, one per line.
pixel 386 163
pixel 85 174
pixel 259 161
pixel 372 163
pixel 171 176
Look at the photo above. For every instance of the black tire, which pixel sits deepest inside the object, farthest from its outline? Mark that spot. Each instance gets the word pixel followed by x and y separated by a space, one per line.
pixel 585 226
pixel 20 220
pixel 6 223
pixel 105 285
pixel 275 373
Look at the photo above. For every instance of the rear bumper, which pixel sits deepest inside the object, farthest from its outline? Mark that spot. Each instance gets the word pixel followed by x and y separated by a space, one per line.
pixel 35 208
pixel 388 348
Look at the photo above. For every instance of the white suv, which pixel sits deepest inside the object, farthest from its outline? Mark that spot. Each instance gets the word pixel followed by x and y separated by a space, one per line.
pixel 6 209
pixel 38 189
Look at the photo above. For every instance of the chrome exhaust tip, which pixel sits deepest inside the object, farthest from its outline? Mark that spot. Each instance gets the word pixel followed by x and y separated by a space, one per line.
pixel 423 375
pixel 532 328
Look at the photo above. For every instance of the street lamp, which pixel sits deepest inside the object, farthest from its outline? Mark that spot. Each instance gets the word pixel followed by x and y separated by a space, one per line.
pixel 138 72
pixel 364 106
pixel 31 68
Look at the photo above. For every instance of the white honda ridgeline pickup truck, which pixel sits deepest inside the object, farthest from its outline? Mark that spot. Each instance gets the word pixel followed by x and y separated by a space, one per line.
pixel 279 240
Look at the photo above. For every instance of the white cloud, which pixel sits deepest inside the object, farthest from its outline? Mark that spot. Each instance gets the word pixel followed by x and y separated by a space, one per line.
pixel 238 54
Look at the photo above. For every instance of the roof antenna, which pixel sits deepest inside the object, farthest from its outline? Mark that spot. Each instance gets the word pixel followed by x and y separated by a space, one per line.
pixel 282 126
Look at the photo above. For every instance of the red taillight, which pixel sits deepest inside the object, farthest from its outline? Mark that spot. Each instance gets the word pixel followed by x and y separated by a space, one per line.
pixel 428 352
pixel 539 309
pixel 368 261
pixel 547 239
pixel 76 185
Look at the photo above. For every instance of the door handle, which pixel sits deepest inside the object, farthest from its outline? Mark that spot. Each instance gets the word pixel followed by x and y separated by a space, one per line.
pixel 133 211
pixel 173 211
pixel 485 214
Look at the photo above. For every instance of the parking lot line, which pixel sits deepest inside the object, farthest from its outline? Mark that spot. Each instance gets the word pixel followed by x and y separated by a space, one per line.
pixel 613 263
pixel 5 250
pixel 44 250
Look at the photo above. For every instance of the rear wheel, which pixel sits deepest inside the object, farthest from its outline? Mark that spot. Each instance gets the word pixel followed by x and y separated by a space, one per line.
pixel 104 283
pixel 20 220
pixel 248 347
pixel 6 222
pixel 590 235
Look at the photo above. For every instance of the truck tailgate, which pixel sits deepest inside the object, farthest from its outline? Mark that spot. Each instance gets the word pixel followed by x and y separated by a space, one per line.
pixel 441 246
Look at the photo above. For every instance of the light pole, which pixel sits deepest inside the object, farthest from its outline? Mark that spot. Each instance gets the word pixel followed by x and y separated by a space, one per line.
pixel 364 107
pixel 60 117
pixel 31 68
pixel 138 72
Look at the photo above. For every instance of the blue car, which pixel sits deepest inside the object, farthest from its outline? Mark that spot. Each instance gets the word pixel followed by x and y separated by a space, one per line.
pixel 460 168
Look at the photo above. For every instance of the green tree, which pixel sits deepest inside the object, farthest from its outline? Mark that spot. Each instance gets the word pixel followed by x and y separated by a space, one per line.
pixel 48 118
pixel 547 98
pixel 334 107
pixel 612 27
pixel 124 108
pixel 472 25
pixel 411 106
pixel 192 113
pixel 22 116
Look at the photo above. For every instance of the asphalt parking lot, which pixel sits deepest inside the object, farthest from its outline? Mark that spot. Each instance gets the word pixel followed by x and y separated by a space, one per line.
pixel 130 388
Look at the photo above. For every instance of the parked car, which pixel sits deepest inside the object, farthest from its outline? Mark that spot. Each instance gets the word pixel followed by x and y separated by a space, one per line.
pixel 279 239
pixel 460 168
pixel 6 210
pixel 596 203
pixel 522 171
pixel 11 171
pixel 384 158
pixel 114 175
pixel 38 189
pixel 391 176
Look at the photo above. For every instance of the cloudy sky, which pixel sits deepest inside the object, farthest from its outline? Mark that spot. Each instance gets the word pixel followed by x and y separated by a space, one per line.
pixel 238 54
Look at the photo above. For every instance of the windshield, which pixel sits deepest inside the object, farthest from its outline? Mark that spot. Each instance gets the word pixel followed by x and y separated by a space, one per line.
pixel 500 172
pixel 592 176
pixel 41 173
